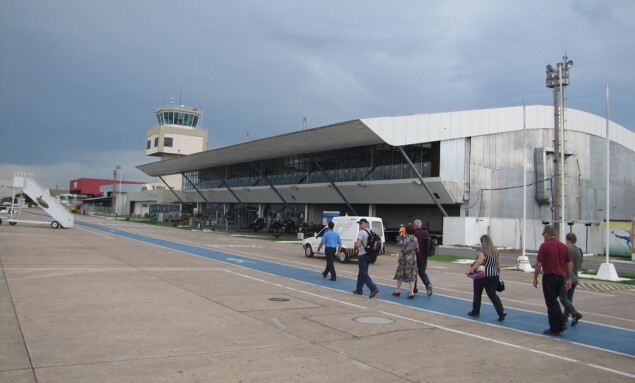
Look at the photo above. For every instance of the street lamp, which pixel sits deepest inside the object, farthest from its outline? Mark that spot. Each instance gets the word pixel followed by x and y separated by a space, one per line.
pixel 120 176
pixel 114 182
pixel 557 79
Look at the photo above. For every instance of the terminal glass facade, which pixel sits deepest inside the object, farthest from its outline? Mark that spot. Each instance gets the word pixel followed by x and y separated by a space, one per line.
pixel 363 163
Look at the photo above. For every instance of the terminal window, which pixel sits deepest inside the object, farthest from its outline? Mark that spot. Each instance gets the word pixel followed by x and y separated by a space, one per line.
pixel 365 163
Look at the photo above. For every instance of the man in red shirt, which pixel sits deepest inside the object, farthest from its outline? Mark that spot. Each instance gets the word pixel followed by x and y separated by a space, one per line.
pixel 557 265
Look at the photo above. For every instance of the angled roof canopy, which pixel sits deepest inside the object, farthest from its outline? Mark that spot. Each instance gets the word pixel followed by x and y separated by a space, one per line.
pixel 341 135
pixel 396 131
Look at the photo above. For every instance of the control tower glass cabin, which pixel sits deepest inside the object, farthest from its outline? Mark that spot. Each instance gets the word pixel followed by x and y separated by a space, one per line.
pixel 176 133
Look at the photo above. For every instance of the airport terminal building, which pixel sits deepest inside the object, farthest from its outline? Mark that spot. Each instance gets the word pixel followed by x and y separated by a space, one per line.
pixel 466 165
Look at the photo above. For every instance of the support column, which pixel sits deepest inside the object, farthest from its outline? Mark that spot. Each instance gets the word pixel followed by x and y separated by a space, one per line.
pixel 264 177
pixel 194 186
pixel 434 199
pixel 170 188
pixel 335 187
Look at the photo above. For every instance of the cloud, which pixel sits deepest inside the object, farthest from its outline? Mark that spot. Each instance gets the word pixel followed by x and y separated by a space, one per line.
pixel 82 79
pixel 98 165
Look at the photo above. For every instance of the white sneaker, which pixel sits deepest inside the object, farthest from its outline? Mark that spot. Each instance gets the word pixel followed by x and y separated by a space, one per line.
pixel 429 289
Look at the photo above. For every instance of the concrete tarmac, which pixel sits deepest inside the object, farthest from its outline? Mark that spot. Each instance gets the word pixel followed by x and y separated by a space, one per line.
pixel 88 304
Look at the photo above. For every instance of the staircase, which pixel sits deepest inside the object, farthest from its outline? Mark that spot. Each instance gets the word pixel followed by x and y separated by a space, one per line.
pixel 41 196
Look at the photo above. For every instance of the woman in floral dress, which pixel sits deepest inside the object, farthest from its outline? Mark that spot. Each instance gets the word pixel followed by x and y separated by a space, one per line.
pixel 407 261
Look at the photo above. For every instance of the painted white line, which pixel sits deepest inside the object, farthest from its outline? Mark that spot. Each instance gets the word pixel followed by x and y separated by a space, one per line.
pixel 309 266
pixel 503 343
pixel 529 283
pixel 278 324
pixel 350 304
pixel 94 231
pixel 542 305
pixel 312 266
pixel 607 316
pixel 519 347
pixel 239 260
pixel 229 246
pixel 50 275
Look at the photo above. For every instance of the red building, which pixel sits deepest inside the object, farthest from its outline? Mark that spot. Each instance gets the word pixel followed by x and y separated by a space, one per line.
pixel 90 186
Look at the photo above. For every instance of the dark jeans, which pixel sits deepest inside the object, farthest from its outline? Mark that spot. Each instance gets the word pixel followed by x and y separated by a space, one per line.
pixel 566 298
pixel 329 252
pixel 489 284
pixel 551 286
pixel 421 270
pixel 362 275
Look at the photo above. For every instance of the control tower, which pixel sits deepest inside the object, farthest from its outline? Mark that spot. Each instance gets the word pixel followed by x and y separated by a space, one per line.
pixel 175 135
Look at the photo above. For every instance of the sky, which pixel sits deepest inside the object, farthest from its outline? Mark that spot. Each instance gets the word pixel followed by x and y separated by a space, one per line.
pixel 81 79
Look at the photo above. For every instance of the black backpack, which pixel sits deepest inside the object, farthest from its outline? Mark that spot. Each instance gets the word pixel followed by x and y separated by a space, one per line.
pixel 373 243
pixel 431 246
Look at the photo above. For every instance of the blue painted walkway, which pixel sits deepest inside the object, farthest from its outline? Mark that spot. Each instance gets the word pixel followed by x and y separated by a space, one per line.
pixel 596 335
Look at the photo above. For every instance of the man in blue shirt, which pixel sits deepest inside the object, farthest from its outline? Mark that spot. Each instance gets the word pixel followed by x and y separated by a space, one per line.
pixel 332 246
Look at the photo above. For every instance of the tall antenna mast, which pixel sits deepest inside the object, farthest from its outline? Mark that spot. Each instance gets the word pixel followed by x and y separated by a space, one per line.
pixel 558 79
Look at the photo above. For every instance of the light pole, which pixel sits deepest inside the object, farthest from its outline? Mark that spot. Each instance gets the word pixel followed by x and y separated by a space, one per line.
pixel 120 195
pixel 557 79
pixel 115 199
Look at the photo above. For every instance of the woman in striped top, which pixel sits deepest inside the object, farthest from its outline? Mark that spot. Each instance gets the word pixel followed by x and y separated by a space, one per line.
pixel 488 257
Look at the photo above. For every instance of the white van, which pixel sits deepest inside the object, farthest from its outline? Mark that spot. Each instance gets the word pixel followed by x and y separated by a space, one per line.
pixel 348 228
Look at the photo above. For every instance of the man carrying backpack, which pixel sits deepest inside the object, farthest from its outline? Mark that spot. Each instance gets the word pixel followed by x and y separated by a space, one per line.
pixel 363 259
pixel 422 256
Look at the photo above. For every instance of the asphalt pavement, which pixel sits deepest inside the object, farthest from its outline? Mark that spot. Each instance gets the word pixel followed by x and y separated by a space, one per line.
pixel 115 301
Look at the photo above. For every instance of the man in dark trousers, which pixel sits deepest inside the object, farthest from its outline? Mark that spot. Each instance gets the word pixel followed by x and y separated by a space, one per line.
pixel 422 257
pixel 555 261
pixel 332 246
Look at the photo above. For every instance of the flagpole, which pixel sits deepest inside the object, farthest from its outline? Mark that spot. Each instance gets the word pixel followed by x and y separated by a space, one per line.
pixel 523 261
pixel 608 179
pixel 607 270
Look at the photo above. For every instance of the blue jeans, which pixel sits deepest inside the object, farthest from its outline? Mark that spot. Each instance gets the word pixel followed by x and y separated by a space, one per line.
pixel 362 275
pixel 421 270
pixel 566 299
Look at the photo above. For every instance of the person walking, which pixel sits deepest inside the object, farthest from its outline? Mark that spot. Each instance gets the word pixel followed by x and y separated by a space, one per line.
pixel 488 257
pixel 566 297
pixel 363 260
pixel 407 262
pixel 555 261
pixel 422 257
pixel 332 246
pixel 402 231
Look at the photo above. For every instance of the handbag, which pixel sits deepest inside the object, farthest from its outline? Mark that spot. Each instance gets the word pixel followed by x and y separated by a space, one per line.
pixel 501 286
pixel 478 273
